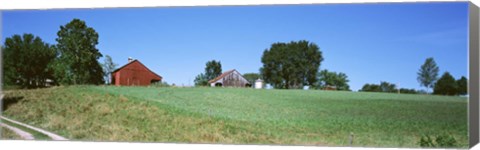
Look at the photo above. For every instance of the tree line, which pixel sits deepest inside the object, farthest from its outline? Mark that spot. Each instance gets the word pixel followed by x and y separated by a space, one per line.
pixel 427 76
pixel 29 62
pixel 290 65
pixel 445 85
pixel 296 64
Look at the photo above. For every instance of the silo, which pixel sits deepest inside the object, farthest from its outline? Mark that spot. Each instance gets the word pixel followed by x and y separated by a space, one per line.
pixel 258 84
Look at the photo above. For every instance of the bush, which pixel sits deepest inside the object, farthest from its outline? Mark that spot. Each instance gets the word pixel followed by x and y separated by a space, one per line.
pixel 443 141
pixel 426 141
pixel 446 141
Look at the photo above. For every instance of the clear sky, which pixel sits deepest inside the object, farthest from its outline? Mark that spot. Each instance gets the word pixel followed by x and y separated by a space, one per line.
pixel 368 42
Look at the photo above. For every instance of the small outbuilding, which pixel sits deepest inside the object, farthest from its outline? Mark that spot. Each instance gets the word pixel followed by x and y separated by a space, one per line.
pixel 134 73
pixel 230 78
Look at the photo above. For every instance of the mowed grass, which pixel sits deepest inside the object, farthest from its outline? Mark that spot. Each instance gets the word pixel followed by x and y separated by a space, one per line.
pixel 241 116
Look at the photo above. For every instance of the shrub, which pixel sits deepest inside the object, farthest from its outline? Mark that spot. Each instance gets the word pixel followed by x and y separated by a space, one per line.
pixel 446 141
pixel 426 141
pixel 442 140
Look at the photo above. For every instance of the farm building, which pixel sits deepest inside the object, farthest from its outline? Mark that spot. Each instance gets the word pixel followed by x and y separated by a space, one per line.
pixel 134 73
pixel 230 78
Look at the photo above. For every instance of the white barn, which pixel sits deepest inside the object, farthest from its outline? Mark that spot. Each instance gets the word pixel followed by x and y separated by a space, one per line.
pixel 230 78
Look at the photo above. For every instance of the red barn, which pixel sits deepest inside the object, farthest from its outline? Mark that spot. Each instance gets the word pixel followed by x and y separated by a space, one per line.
pixel 134 73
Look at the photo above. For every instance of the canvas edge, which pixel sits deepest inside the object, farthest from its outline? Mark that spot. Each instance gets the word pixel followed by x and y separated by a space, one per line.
pixel 473 86
pixel 1 68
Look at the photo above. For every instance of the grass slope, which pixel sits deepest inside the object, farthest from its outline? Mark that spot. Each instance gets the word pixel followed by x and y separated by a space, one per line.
pixel 7 134
pixel 37 135
pixel 230 115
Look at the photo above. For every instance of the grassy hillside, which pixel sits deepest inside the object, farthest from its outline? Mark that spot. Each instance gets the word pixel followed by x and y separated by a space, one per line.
pixel 37 135
pixel 230 115
pixel 7 134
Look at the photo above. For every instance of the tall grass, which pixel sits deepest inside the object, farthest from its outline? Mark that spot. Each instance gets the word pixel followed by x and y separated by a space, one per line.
pixel 241 116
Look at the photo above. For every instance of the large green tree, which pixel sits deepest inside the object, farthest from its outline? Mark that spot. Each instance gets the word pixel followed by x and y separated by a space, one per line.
pixel 291 65
pixel 201 80
pixel 428 73
pixel 78 60
pixel 446 85
pixel 108 67
pixel 213 69
pixel 327 78
pixel 462 84
pixel 26 61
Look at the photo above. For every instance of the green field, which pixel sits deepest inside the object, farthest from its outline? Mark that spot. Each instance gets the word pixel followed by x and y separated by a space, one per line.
pixel 240 116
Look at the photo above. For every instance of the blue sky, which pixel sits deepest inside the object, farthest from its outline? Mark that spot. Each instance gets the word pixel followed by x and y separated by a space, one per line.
pixel 368 42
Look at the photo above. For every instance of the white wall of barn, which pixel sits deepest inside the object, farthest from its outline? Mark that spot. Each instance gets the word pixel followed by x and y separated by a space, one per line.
pixel 235 74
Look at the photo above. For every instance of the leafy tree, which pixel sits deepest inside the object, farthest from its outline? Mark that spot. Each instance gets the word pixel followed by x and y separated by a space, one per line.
pixel 382 87
pixel 26 61
pixel 291 65
pixel 252 77
pixel 462 84
pixel 201 80
pixel 446 85
pixel 213 69
pixel 371 88
pixel 78 61
pixel 108 67
pixel 387 87
pixel 339 80
pixel 428 73
pixel 408 91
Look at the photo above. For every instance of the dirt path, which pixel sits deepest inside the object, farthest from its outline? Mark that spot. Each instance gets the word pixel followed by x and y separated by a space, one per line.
pixel 21 133
pixel 51 135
